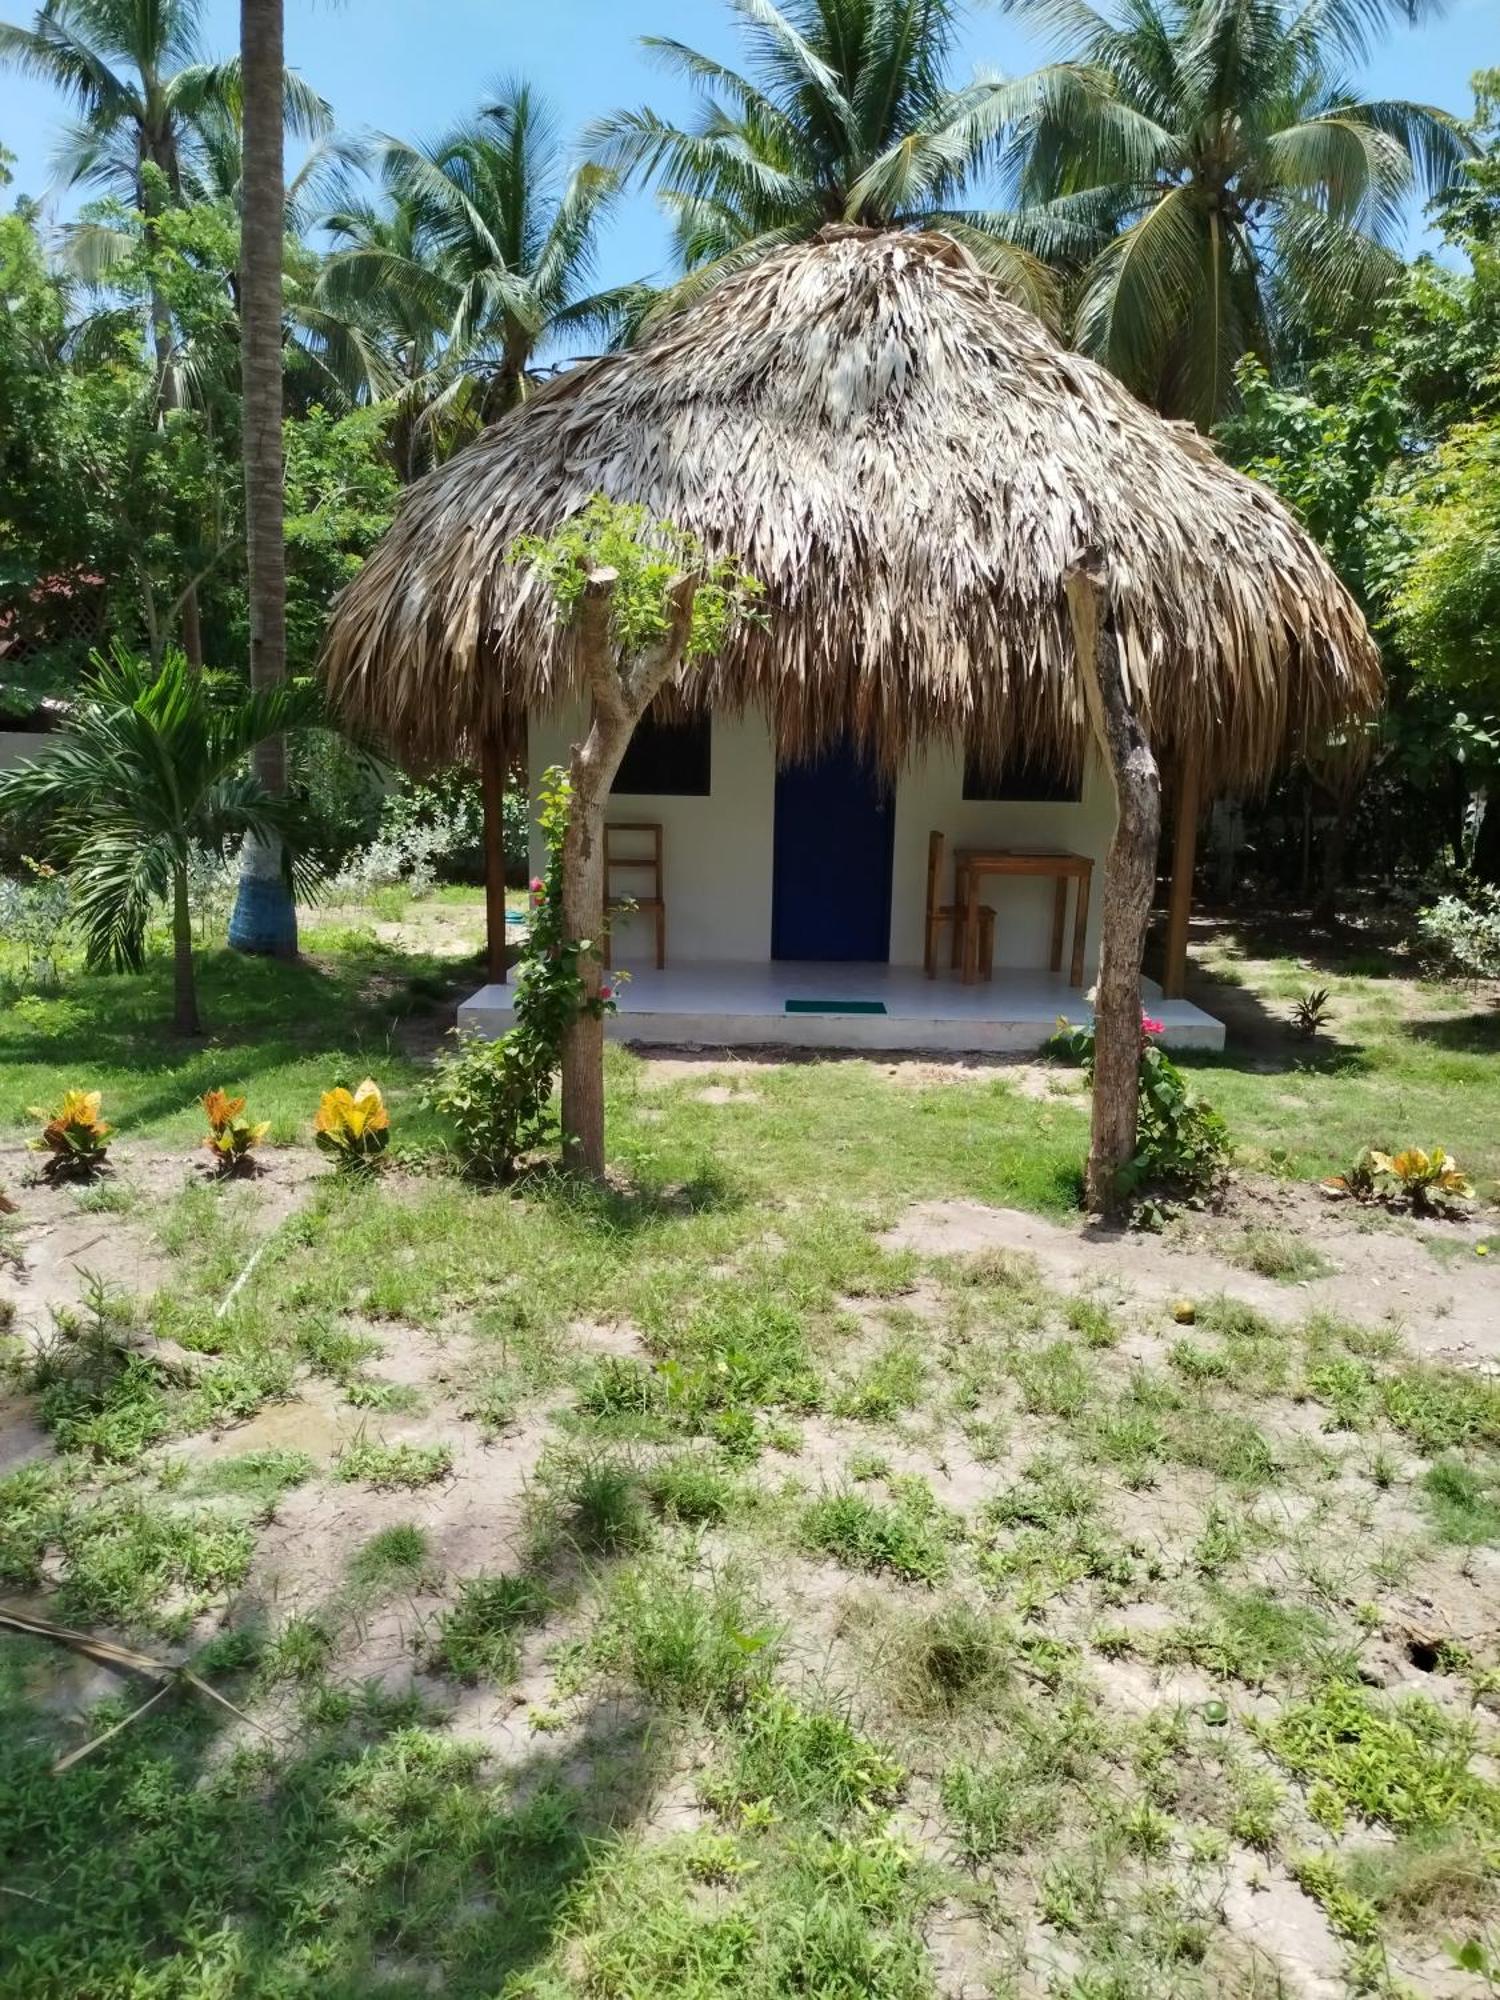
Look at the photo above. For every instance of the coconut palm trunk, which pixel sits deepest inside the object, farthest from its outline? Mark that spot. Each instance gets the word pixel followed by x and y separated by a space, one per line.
pixel 265 916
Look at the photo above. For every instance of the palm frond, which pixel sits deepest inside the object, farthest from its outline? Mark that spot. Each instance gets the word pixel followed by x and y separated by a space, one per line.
pixel 1138 291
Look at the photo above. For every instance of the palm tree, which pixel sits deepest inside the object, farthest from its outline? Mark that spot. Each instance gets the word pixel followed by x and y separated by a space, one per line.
pixel 146 95
pixel 1220 182
pixel 846 114
pixel 265 913
pixel 152 768
pixel 478 262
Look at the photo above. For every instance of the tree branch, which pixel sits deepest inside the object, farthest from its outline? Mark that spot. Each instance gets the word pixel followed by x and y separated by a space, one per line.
pixel 656 662
pixel 593 642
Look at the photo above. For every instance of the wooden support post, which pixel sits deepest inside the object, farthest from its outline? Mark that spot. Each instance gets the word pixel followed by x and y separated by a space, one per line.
pixel 1180 898
pixel 494 759
pixel 1129 879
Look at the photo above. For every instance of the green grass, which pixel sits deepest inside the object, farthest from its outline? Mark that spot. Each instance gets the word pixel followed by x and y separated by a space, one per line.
pixel 700 1645
pixel 479 1638
pixel 910 1538
pixel 1277 1253
pixel 865 1700
pixel 1386 1077
pixel 394 1559
pixel 1403 1765
pixel 283 1033
pixel 1464 1500
pixel 368 1462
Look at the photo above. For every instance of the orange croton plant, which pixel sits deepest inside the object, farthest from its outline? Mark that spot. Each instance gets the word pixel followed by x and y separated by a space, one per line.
pixel 75 1135
pixel 231 1135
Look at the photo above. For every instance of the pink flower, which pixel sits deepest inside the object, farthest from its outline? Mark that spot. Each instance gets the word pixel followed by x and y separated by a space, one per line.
pixel 1150 1027
pixel 538 886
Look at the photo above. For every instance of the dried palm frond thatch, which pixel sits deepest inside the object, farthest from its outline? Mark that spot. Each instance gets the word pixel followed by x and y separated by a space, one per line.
pixel 911 465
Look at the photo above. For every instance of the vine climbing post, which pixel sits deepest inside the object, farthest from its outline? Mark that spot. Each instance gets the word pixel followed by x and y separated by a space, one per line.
pixel 1129 878
pixel 621 693
pixel 643 599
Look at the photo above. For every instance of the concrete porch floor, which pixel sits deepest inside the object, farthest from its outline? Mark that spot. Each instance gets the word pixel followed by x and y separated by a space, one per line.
pixel 745 1006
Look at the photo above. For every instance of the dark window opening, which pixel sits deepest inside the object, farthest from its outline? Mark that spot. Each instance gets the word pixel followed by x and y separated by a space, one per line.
pixel 672 759
pixel 1026 780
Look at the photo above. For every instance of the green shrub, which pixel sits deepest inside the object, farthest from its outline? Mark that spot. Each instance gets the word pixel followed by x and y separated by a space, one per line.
pixel 497 1096
pixel 1182 1143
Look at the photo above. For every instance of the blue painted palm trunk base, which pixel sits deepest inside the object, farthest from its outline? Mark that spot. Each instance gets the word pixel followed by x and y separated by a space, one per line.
pixel 264 922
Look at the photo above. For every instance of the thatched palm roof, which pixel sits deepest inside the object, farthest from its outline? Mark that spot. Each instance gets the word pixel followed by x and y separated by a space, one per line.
pixel 910 464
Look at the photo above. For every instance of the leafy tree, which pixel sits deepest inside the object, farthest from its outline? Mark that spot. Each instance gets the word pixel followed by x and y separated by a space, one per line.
pixel 151 768
pixel 845 114
pixel 40 508
pixel 98 482
pixel 479 262
pixel 341 494
pixel 1445 580
pixel 1384 445
pixel 1221 182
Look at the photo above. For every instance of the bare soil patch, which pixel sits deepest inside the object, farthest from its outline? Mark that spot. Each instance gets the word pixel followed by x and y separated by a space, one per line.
pixel 64 1237
pixel 1447 1309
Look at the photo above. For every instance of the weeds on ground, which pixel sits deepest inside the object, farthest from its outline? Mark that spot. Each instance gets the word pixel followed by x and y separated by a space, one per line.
pixel 910 1537
pixel 1277 1253
pixel 369 1462
pixel 479 1638
pixel 686 1640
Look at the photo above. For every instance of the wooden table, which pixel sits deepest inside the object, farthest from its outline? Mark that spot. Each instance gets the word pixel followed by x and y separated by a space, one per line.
pixel 973 864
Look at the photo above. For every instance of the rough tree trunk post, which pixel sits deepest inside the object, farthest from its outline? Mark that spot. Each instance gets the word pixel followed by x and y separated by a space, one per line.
pixel 184 988
pixel 621 695
pixel 494 764
pixel 1129 878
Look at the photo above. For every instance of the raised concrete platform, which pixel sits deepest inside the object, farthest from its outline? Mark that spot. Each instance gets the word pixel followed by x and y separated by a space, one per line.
pixel 744 1006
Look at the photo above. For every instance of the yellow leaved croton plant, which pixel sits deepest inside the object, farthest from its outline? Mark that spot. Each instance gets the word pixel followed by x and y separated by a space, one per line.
pixel 354 1127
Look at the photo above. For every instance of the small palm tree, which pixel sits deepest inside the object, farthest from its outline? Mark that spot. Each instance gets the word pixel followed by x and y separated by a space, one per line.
pixel 152 767
pixel 1216 181
pixel 846 114
pixel 478 263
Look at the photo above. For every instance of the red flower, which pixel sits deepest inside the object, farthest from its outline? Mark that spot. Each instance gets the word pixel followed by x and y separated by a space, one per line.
pixel 606 992
pixel 1150 1027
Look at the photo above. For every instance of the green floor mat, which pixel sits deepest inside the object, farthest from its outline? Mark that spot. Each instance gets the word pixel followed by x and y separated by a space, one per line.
pixel 835 1006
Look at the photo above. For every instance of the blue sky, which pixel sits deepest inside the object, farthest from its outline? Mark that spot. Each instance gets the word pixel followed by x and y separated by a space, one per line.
pixel 412 66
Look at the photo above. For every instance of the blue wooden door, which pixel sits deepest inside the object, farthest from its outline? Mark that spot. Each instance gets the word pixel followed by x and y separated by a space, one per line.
pixel 831 877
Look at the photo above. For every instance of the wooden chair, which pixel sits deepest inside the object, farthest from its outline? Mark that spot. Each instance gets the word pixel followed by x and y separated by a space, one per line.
pixel 939 913
pixel 653 905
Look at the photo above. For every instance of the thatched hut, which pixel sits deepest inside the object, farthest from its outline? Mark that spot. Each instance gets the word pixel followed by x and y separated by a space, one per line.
pixel 913 467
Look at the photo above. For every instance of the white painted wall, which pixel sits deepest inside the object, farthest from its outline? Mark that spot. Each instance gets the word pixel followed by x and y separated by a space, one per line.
pixel 19 746
pixel 718 851
pixel 929 797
